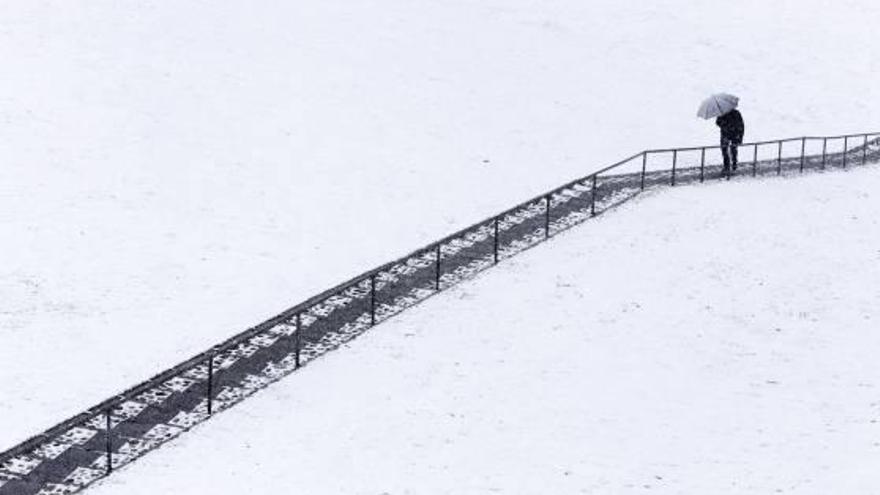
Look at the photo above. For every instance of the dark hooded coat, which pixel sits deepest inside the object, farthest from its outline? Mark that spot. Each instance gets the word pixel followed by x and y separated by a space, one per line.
pixel 732 126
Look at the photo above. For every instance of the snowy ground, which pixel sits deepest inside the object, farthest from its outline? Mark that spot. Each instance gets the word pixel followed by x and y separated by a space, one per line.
pixel 173 173
pixel 707 339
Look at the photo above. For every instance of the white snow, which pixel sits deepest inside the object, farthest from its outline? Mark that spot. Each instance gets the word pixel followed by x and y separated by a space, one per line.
pixel 706 339
pixel 173 172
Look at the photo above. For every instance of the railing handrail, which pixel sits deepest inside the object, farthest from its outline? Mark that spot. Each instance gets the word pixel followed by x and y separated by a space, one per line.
pixel 302 307
pixel 754 143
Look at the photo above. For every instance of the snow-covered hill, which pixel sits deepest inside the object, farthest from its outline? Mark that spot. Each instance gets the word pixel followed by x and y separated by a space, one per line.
pixel 707 339
pixel 175 172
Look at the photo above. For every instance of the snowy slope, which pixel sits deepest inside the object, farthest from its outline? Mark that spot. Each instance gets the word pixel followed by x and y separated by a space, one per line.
pixel 707 339
pixel 175 172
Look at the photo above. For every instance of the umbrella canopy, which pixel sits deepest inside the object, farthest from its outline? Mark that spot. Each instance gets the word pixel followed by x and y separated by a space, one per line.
pixel 717 104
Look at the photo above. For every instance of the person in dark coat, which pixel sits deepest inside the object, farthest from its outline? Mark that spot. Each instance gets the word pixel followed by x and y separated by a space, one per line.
pixel 732 130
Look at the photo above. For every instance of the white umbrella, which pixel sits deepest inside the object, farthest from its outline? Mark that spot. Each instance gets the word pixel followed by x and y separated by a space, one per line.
pixel 717 104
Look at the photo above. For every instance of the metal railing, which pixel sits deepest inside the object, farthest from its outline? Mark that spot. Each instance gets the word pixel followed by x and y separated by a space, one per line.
pixel 91 444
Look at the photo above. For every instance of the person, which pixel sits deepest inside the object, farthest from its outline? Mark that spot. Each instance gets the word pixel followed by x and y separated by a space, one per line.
pixel 732 130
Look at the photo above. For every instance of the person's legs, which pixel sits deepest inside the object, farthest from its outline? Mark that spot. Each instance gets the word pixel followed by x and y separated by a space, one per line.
pixel 733 153
pixel 725 152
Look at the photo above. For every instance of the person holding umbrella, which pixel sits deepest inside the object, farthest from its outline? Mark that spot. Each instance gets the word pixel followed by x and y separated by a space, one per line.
pixel 722 106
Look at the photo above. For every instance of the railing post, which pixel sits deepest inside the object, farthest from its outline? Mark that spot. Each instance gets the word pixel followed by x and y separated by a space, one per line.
pixel 644 167
pixel 779 159
pixel 865 150
pixel 109 441
pixel 824 148
pixel 373 300
pixel 495 241
pixel 211 381
pixel 702 163
pixel 755 161
pixel 297 342
pixel 547 217
pixel 803 149
pixel 845 149
pixel 437 269
pixel 593 197
pixel 674 162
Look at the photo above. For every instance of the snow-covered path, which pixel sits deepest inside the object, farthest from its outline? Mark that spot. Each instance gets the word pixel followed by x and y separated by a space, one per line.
pixel 706 340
